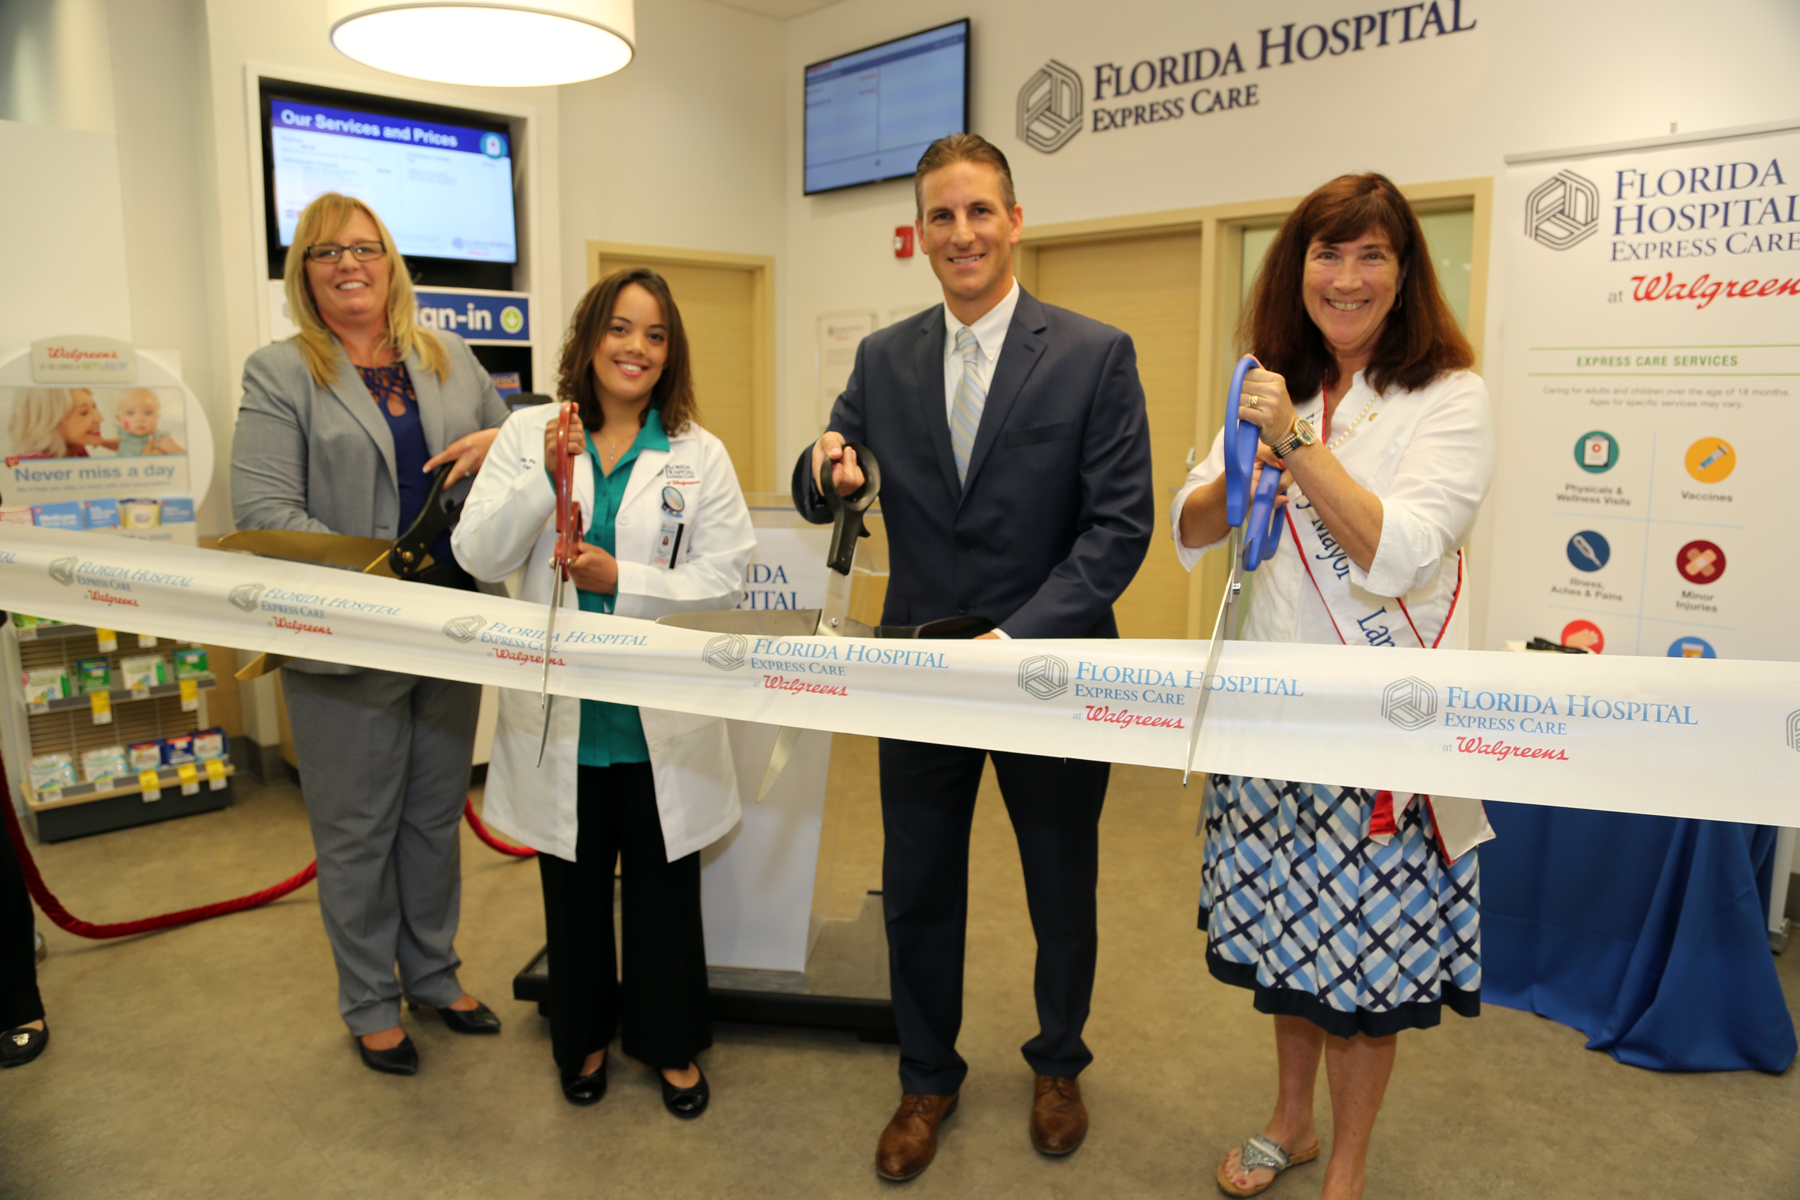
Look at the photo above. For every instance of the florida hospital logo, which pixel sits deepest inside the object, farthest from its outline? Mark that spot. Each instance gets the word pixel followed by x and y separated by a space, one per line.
pixel 1050 108
pixel 1793 730
pixel 727 652
pixel 1044 676
pixel 63 570
pixel 1409 703
pixel 462 630
pixel 245 596
pixel 1562 211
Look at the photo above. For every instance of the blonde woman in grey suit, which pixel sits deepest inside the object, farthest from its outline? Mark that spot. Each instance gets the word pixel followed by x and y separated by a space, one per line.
pixel 339 430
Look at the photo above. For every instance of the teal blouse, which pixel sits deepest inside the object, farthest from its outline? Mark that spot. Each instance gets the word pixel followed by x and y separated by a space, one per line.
pixel 612 733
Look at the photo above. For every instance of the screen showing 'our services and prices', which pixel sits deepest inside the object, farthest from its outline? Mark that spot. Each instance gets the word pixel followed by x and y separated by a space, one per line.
pixel 870 114
pixel 444 191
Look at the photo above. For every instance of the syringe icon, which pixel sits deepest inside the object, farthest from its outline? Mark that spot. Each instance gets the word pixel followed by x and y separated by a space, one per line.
pixel 1587 551
pixel 1719 451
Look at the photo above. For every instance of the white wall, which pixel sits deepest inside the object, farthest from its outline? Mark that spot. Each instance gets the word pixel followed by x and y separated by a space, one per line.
pixel 1531 75
pixel 684 148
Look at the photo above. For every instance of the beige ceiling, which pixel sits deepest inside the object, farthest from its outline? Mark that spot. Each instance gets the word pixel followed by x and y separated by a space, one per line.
pixel 781 9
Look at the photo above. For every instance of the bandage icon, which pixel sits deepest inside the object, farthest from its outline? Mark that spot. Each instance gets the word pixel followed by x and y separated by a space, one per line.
pixel 1700 564
pixel 1585 550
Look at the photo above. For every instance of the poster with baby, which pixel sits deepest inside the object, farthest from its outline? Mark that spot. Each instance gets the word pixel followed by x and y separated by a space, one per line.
pixel 98 436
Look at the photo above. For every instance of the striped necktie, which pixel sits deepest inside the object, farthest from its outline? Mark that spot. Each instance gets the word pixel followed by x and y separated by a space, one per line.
pixel 965 414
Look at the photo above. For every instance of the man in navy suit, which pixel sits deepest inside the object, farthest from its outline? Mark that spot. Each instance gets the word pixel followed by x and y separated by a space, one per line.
pixel 1015 484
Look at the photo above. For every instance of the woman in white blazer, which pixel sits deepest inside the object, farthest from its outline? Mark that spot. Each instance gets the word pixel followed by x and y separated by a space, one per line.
pixel 667 531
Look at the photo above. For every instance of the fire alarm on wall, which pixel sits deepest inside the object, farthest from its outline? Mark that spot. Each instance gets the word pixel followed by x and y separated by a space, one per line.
pixel 903 241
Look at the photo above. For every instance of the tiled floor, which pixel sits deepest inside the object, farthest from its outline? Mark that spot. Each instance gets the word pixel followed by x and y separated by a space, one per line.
pixel 209 1061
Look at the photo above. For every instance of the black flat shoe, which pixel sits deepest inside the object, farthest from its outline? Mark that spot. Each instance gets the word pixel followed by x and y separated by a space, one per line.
pixel 19 1046
pixel 480 1019
pixel 586 1089
pixel 686 1103
pixel 396 1060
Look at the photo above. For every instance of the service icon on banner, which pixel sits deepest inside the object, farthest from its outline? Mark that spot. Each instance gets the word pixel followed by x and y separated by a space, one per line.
pixel 1588 551
pixel 1691 647
pixel 1711 460
pixel 1700 562
pixel 1585 635
pixel 1597 452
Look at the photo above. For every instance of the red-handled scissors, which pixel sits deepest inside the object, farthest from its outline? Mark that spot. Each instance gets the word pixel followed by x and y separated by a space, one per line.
pixel 562 555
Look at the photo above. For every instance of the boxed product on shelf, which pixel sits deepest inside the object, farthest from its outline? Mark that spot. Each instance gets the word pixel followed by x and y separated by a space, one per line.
pixel 52 771
pixel 190 662
pixel 102 764
pixel 177 510
pixel 140 514
pixel 44 684
pixel 178 748
pixel 15 515
pixel 210 743
pixel 144 756
pixel 101 514
pixel 65 514
pixel 143 670
pixel 93 674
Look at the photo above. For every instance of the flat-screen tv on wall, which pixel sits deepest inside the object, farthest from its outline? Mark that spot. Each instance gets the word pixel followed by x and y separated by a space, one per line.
pixel 872 112
pixel 442 179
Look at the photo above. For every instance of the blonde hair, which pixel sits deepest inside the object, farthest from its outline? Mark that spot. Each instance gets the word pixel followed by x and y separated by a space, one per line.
pixel 37 417
pixel 324 218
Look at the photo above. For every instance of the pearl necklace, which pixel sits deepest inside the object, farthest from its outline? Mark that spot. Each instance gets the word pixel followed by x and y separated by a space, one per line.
pixel 1337 441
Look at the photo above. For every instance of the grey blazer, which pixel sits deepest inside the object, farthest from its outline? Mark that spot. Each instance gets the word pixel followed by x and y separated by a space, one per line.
pixel 322 459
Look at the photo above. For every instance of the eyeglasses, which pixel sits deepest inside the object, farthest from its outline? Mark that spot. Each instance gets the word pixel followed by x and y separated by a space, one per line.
pixel 330 252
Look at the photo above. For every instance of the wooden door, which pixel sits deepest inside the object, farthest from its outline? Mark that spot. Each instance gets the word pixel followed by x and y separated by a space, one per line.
pixel 1149 286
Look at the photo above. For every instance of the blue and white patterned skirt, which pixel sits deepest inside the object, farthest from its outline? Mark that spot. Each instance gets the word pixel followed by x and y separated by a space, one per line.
pixel 1322 923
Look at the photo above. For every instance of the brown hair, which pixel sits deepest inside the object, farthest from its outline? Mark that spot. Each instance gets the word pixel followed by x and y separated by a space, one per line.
pixel 962 147
pixel 323 219
pixel 673 394
pixel 1419 340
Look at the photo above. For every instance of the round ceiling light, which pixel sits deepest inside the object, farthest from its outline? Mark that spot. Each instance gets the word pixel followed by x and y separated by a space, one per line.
pixel 489 43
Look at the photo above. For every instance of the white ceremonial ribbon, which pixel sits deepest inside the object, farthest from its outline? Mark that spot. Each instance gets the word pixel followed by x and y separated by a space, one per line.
pixel 1709 738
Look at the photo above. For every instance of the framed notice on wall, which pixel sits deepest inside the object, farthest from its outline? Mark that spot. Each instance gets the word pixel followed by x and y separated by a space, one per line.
pixel 835 353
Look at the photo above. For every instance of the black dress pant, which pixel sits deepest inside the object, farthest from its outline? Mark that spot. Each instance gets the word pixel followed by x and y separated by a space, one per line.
pixel 656 998
pixel 19 999
pixel 927 808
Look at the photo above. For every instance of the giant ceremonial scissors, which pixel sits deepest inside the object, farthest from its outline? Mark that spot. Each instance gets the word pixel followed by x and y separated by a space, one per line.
pixel 406 557
pixel 834 619
pixel 1255 532
pixel 565 551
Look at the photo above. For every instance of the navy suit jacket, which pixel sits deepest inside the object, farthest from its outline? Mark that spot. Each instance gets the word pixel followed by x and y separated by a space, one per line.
pixel 1057 511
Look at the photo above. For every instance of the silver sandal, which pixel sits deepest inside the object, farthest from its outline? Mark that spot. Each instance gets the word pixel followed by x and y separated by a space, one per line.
pixel 1263 1153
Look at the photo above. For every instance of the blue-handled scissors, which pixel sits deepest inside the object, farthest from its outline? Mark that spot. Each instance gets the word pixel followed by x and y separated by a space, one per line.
pixel 1255 533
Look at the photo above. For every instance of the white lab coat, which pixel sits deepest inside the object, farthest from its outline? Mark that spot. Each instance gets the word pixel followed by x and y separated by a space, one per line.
pixel 509 522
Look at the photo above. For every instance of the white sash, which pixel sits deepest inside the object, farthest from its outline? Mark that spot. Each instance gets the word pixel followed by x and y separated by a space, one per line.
pixel 1461 823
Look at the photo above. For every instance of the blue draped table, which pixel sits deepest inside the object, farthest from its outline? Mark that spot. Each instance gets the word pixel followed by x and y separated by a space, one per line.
pixel 1648 934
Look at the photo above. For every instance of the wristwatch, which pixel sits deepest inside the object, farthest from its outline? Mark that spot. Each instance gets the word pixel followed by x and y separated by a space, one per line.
pixel 1302 434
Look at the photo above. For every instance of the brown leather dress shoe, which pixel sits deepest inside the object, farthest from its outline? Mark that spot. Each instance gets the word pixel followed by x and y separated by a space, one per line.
pixel 909 1142
pixel 1058 1117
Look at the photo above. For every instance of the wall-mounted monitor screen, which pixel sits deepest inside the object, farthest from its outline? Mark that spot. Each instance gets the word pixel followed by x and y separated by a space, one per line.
pixel 871 113
pixel 442 179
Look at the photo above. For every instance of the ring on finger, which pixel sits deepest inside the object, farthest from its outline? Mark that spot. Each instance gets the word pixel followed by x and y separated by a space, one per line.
pixel 1252 402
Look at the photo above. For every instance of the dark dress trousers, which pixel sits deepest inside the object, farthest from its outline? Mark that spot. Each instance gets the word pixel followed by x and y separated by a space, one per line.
pixel 1049 527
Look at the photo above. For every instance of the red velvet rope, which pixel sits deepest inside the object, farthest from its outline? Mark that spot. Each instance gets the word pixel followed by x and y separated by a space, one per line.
pixel 62 919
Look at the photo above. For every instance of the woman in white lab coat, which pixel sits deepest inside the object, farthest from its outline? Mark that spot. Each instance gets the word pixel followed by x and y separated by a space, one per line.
pixel 666 530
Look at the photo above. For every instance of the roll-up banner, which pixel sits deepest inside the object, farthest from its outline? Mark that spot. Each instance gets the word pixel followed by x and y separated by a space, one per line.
pixel 1649 404
pixel 1713 739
